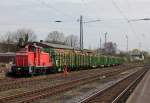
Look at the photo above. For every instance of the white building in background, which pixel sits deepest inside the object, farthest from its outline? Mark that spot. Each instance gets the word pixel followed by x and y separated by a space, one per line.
pixel 136 55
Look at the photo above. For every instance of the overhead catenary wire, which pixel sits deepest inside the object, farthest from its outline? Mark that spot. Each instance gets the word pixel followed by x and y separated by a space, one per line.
pixel 59 11
pixel 83 2
pixel 128 4
pixel 125 17
pixel 119 10
pixel 84 6
pixel 48 5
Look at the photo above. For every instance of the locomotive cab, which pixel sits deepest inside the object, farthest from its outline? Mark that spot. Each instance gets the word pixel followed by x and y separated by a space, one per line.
pixel 32 60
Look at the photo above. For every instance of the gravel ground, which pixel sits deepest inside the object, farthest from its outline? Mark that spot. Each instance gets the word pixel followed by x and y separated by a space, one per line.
pixel 77 94
pixel 50 82
pixel 12 92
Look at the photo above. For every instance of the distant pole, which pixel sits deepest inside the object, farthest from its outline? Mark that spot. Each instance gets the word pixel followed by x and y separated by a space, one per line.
pixel 127 43
pixel 100 43
pixel 105 37
pixel 140 45
pixel 71 42
pixel 81 32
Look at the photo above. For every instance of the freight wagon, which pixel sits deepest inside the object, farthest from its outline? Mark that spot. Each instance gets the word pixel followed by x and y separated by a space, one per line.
pixel 42 58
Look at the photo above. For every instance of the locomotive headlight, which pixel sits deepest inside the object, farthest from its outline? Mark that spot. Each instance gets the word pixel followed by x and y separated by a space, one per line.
pixel 19 68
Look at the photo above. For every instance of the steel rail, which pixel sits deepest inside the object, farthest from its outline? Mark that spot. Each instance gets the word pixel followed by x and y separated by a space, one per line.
pixel 128 90
pixel 55 89
pixel 109 87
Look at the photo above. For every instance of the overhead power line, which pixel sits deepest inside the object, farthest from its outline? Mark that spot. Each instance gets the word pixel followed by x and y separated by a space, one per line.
pixel 125 17
pixel 119 10
pixel 57 10
pixel 83 1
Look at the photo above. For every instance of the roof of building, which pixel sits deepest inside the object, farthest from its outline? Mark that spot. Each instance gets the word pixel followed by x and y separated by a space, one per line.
pixel 8 54
pixel 54 45
pixel 59 46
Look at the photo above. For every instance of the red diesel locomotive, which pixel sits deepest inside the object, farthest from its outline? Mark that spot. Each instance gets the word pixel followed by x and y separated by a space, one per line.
pixel 30 58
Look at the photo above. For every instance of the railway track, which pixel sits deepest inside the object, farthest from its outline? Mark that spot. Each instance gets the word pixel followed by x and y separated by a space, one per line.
pixel 31 96
pixel 117 92
pixel 18 83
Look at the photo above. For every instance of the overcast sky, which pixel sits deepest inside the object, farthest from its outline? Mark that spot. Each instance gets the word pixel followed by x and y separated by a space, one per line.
pixel 39 15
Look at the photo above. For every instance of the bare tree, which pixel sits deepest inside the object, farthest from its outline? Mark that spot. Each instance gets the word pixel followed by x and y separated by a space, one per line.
pixel 11 41
pixel 7 43
pixel 55 36
pixel 1 38
pixel 7 38
pixel 72 40
pixel 27 35
pixel 23 36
